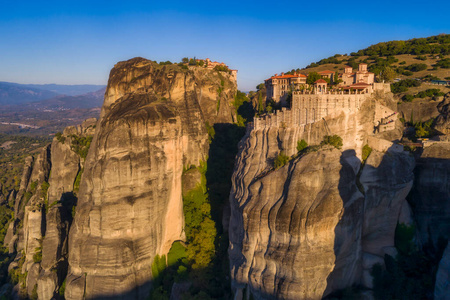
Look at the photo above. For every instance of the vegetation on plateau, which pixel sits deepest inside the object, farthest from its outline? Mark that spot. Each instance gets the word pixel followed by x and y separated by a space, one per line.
pixel 431 93
pixel 403 85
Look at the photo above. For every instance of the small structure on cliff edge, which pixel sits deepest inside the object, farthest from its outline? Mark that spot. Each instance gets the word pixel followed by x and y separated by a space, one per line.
pixel 309 106
pixel 279 86
pixel 209 64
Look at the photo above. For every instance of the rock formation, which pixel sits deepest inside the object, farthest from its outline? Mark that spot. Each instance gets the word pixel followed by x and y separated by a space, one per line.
pixel 40 230
pixel 121 203
pixel 319 223
pixel 96 206
pixel 130 207
pixel 443 120
pixel 419 110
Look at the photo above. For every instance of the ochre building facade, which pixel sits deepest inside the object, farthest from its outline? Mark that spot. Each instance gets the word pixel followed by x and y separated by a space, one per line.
pixel 279 86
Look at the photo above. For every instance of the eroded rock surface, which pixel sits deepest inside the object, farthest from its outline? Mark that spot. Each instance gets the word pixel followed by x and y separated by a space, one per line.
pixel 443 120
pixel 130 201
pixel 311 227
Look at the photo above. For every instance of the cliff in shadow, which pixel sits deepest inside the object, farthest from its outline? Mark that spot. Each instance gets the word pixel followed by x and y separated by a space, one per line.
pixel 320 222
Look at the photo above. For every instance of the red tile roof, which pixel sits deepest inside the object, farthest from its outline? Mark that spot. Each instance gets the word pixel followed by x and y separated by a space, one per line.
pixel 287 76
pixel 320 81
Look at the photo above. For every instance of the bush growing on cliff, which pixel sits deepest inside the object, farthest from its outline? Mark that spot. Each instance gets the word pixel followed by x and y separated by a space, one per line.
pixel 80 145
pixel 62 288
pixel 332 140
pixel 280 160
pixel 211 131
pixel 44 189
pixel 37 257
pixel 366 150
pixel 60 137
pixel 301 145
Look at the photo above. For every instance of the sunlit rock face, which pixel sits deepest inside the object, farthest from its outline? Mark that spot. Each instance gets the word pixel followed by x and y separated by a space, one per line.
pixel 130 204
pixel 319 223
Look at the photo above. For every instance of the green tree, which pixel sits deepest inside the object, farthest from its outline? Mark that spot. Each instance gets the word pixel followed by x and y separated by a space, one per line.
pixel 260 103
pixel 192 62
pixel 336 79
pixel 421 131
pixel 313 77
pixel 185 60
pixel 388 74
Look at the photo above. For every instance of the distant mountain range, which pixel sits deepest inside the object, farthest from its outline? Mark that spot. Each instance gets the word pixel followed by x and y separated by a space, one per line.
pixel 88 100
pixel 15 93
pixel 33 109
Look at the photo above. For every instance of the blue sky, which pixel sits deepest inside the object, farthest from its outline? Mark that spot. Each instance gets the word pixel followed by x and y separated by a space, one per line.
pixel 78 42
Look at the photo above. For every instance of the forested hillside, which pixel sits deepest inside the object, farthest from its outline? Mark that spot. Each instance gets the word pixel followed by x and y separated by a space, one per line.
pixel 413 66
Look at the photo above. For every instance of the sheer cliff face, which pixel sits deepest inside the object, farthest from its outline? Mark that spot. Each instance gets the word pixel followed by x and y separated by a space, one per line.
pixel 319 223
pixel 130 206
pixel 282 230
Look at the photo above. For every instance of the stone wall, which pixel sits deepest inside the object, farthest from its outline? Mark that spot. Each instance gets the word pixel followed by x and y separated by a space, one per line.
pixel 310 108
